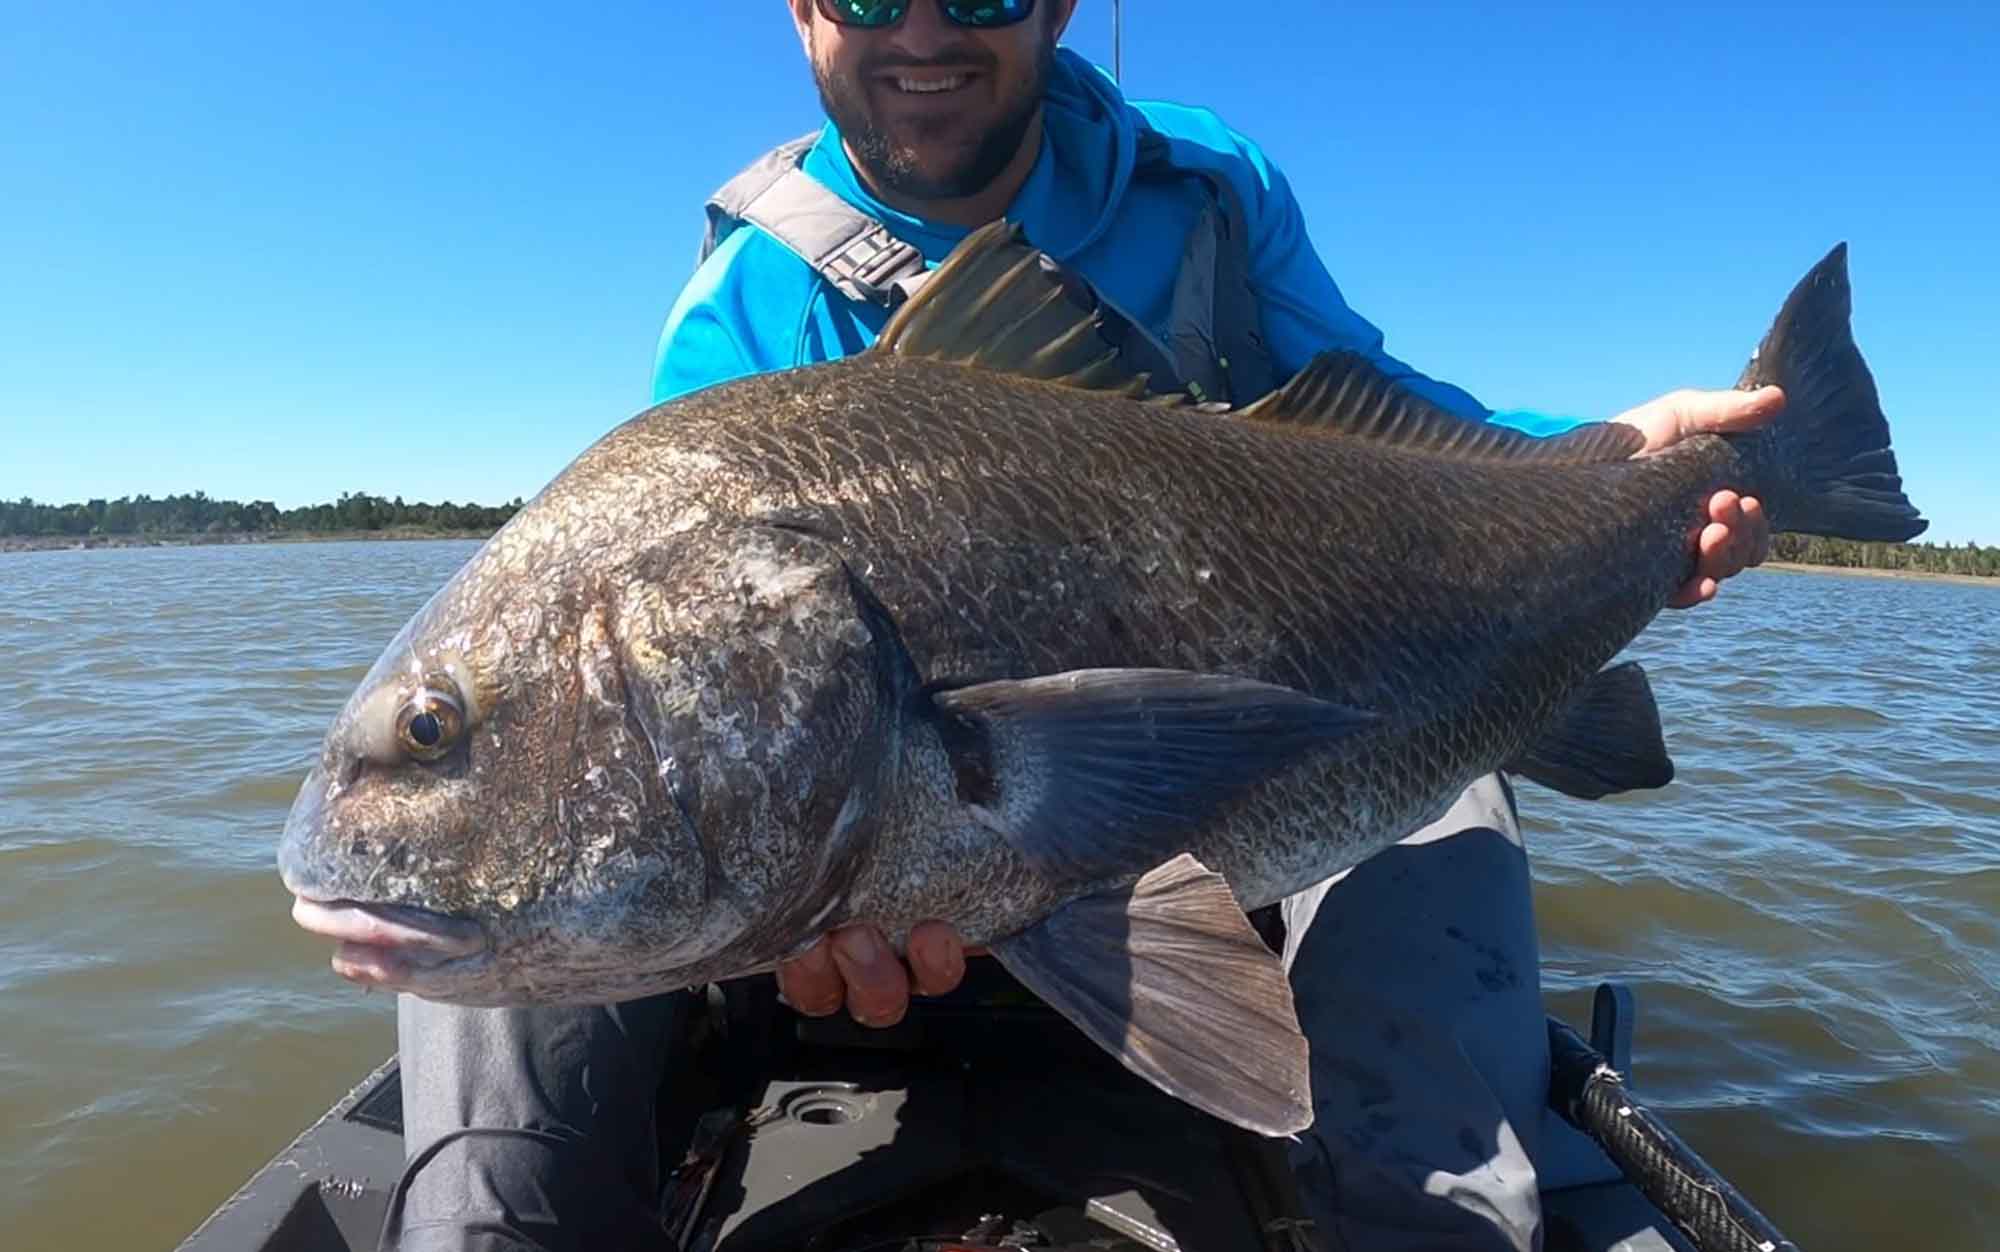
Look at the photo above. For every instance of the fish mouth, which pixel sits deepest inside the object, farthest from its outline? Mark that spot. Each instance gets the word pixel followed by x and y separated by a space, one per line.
pixel 389 945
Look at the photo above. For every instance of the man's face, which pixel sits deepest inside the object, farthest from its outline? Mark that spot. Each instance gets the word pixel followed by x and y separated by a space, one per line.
pixel 930 109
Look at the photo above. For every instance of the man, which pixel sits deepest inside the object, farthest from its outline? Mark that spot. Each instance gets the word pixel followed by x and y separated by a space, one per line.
pixel 1416 983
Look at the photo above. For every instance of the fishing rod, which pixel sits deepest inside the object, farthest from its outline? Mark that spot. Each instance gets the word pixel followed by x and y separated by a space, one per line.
pixel 1117 28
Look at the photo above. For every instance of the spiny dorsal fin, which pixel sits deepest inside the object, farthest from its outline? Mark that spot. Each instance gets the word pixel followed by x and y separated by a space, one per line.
pixel 996 304
pixel 1343 393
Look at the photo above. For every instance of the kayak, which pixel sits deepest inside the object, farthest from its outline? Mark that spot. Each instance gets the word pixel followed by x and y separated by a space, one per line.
pixel 982 1121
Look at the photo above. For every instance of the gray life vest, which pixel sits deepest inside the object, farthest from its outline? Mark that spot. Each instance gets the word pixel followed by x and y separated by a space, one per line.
pixel 1214 346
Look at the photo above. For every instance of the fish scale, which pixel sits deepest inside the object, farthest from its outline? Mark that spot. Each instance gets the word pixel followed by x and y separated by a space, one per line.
pixel 971 628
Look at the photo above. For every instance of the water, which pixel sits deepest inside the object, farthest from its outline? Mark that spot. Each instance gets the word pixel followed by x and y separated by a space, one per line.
pixel 1810 915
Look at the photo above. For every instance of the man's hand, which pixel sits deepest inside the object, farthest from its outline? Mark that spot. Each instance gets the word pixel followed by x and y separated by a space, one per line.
pixel 1736 535
pixel 855 966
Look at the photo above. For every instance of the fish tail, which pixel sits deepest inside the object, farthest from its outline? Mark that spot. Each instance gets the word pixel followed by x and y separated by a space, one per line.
pixel 1824 466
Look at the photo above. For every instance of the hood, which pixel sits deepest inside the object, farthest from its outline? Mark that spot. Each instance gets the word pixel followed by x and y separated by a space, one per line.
pixel 1090 141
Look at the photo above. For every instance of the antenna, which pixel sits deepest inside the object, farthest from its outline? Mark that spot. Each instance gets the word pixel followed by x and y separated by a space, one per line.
pixel 1117 28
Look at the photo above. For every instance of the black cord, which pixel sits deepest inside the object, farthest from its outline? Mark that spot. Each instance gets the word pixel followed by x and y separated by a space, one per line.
pixel 392 1220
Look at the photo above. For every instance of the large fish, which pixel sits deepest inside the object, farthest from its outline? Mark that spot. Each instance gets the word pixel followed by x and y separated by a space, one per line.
pixel 970 627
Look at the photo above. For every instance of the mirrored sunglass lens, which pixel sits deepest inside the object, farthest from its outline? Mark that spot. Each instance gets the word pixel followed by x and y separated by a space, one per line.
pixel 988 12
pixel 866 12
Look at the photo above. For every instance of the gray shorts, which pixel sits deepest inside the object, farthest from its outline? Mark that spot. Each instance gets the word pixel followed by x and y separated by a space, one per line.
pixel 1416 981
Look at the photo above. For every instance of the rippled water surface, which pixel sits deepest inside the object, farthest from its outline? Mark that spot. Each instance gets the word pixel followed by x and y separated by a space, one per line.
pixel 1810 915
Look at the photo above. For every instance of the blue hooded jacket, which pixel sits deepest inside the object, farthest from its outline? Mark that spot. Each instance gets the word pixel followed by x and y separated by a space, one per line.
pixel 755 306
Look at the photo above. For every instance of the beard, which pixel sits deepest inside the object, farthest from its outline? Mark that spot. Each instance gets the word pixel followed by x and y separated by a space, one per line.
pixel 895 162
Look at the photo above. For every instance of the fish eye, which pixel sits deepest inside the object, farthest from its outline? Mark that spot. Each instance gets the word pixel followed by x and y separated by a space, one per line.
pixel 430 722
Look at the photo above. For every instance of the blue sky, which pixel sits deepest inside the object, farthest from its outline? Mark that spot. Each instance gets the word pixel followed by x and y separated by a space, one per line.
pixel 283 251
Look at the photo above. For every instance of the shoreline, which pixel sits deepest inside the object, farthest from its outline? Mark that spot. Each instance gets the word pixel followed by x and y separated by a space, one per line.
pixel 70 543
pixel 1910 575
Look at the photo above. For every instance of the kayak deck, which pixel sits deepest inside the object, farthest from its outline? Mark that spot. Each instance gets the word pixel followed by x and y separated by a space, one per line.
pixel 968 1122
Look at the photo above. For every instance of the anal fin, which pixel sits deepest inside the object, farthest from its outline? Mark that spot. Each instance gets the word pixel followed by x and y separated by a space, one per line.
pixel 1607 740
pixel 1169 976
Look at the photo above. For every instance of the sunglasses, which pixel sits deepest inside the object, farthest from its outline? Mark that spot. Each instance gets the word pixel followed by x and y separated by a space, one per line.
pixel 882 14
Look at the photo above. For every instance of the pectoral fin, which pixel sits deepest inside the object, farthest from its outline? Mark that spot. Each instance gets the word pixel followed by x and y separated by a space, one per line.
pixel 1094 773
pixel 1169 977
pixel 1608 740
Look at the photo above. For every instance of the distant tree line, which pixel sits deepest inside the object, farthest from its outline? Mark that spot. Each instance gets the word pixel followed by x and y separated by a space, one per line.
pixel 197 514
pixel 1928 558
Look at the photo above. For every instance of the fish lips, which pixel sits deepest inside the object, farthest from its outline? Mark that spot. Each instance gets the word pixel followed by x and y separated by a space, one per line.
pixel 393 946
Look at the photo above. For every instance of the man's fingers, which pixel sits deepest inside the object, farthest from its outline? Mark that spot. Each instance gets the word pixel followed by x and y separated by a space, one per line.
pixel 1759 527
pixel 878 988
pixel 1696 590
pixel 1706 540
pixel 1736 536
pixel 1725 506
pixel 1714 542
pixel 856 966
pixel 937 958
pixel 811 983
pixel 1719 412
pixel 1673 417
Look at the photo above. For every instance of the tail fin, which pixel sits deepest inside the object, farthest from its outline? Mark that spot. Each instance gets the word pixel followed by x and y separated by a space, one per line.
pixel 1824 466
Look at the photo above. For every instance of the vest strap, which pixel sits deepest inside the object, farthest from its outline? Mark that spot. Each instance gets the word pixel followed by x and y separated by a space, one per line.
pixel 1214 346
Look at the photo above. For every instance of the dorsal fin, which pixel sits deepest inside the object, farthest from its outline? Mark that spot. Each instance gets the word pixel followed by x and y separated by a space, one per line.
pixel 997 304
pixel 1342 393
